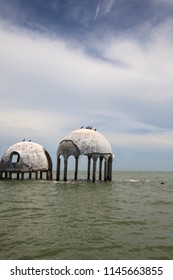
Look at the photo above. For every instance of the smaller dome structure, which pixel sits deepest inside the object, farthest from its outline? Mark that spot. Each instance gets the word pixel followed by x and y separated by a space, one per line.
pixel 90 143
pixel 26 157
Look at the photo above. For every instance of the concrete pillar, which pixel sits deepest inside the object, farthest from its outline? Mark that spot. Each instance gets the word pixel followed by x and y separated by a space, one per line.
pixel 109 175
pixel 65 168
pixel 76 168
pixel 58 168
pixel 100 168
pixel 89 167
pixel 49 175
pixel 105 170
pixel 22 176
pixel 94 169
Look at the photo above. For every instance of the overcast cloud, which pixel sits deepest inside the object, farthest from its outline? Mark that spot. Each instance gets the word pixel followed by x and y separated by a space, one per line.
pixel 107 63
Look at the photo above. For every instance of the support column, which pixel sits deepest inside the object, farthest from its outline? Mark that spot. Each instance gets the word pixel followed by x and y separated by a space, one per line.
pixel 94 169
pixel 58 168
pixel 49 175
pixel 22 176
pixel 89 167
pixel 76 168
pixel 105 170
pixel 109 175
pixel 100 168
pixel 65 168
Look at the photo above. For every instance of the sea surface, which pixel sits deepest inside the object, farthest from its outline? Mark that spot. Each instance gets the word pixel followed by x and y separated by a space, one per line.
pixel 129 218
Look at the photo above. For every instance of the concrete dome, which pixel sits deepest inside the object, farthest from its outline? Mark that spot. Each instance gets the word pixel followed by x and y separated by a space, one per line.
pixel 88 141
pixel 26 156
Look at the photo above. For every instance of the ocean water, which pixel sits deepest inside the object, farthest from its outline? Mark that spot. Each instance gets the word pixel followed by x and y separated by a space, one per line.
pixel 130 217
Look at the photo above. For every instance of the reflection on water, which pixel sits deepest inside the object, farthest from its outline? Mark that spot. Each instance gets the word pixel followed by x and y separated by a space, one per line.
pixel 128 218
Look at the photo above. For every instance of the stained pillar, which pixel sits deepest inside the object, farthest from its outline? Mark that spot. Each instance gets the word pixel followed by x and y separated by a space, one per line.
pixel 65 168
pixel 109 175
pixel 49 175
pixel 22 176
pixel 105 170
pixel 58 168
pixel 100 168
pixel 76 168
pixel 94 169
pixel 89 167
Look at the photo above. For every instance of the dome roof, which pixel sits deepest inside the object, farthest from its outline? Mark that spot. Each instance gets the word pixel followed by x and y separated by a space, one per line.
pixel 89 141
pixel 26 156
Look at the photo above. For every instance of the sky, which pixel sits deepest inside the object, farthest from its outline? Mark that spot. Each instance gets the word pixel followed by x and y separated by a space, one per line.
pixel 107 64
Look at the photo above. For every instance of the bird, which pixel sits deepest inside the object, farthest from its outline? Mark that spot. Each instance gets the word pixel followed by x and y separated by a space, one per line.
pixel 23 140
pixel 29 140
pixel 95 129
pixel 81 127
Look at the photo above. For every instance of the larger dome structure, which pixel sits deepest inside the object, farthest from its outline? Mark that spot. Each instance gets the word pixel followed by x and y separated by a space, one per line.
pixel 26 157
pixel 90 143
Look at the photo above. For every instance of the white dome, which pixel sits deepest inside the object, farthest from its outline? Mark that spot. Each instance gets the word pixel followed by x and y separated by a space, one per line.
pixel 89 141
pixel 25 156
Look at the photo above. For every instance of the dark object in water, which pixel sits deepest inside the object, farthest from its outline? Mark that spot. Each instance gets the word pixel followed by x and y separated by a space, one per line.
pixel 162 183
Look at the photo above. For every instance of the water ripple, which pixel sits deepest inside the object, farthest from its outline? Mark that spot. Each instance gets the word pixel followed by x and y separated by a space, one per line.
pixel 128 218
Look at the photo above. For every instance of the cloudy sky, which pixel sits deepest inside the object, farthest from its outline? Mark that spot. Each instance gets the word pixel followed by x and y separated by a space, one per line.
pixel 107 63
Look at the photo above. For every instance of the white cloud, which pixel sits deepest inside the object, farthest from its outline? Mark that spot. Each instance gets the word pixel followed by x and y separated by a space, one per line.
pixel 33 62
pixel 149 73
pixel 47 86
pixel 25 122
pixel 145 142
pixel 169 2
pixel 107 5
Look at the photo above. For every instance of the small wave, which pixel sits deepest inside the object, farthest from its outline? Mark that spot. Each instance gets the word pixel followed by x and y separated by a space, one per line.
pixel 133 180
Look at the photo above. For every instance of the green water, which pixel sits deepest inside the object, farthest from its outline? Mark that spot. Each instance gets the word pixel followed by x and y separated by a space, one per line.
pixel 128 218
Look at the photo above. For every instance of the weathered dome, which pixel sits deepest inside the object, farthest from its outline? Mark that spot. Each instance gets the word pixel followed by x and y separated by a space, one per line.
pixel 86 141
pixel 90 143
pixel 26 156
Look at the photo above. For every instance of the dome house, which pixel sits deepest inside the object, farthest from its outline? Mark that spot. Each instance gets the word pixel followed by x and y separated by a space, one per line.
pixel 90 143
pixel 26 158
